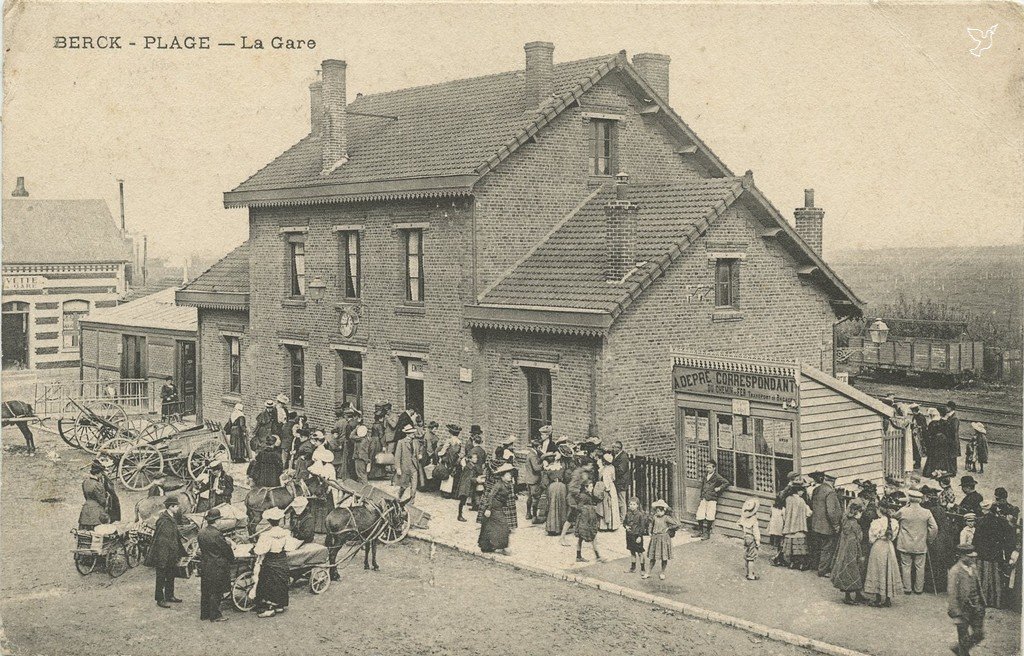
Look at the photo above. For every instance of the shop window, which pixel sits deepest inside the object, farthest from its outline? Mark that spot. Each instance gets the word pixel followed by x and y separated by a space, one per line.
pixel 296 374
pixel 297 266
pixel 602 147
pixel 414 265
pixel 72 313
pixel 754 453
pixel 234 366
pixel 352 378
pixel 697 434
pixel 350 260
pixel 727 283
pixel 538 402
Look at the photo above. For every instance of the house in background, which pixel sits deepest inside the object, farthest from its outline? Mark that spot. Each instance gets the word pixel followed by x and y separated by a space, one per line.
pixel 61 260
pixel 551 245
pixel 140 344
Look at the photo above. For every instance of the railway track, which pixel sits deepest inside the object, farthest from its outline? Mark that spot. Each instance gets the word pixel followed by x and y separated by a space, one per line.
pixel 1001 417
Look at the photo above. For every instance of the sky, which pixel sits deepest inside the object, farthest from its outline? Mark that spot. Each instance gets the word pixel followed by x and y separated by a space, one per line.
pixel 906 137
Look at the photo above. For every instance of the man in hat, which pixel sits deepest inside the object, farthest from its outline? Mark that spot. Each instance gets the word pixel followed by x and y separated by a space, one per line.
pixel 532 477
pixel 547 440
pixel 965 606
pixel 361 457
pixel 280 413
pixel 303 523
pixel 168 398
pixel 406 474
pixel 215 487
pixel 407 418
pixel 941 550
pixel 826 520
pixel 165 551
pixel 917 529
pixel 710 489
pixel 264 427
pixel 1004 508
pixel 217 559
pixel 94 509
pixel 971 503
pixel 918 423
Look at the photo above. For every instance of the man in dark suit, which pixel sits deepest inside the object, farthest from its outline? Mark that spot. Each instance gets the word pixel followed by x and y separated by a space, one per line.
pixel 826 519
pixel 217 558
pixel 166 551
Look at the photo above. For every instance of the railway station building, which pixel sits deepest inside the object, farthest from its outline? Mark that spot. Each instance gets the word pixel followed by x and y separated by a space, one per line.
pixel 550 245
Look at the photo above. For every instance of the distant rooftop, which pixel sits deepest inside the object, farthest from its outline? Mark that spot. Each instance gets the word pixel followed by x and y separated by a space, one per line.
pixel 43 231
pixel 154 311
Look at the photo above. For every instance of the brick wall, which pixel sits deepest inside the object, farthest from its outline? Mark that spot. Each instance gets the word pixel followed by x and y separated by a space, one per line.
pixel 782 319
pixel 215 401
pixel 529 193
pixel 160 356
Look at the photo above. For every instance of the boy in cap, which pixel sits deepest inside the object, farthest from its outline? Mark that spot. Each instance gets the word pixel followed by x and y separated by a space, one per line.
pixel 966 607
pixel 751 528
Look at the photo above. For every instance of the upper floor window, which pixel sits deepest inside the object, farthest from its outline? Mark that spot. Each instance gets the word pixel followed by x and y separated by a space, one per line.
pixel 538 403
pixel 414 265
pixel 297 266
pixel 350 263
pixel 602 147
pixel 234 365
pixel 72 312
pixel 727 283
pixel 296 375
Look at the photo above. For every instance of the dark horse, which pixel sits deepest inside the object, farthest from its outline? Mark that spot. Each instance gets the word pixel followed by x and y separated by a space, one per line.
pixel 363 523
pixel 20 413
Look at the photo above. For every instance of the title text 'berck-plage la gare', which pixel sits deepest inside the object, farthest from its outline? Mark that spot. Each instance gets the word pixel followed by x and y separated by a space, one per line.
pixel 179 42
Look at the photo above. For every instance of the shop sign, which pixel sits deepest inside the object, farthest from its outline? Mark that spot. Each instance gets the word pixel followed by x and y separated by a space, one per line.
pixel 22 283
pixel 734 384
pixel 415 369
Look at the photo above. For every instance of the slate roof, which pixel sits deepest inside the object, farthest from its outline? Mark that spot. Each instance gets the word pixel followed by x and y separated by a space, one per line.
pixel 154 311
pixel 566 270
pixel 444 129
pixel 225 284
pixel 42 231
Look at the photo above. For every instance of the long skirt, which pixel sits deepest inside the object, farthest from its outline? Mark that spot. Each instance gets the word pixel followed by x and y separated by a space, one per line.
pixel 493 532
pixel 586 523
pixel 558 507
pixel 237 446
pixel 272 587
pixel 883 575
pixel 660 547
pixel 319 508
pixel 610 518
pixel 991 583
pixel 794 544
pixel 848 570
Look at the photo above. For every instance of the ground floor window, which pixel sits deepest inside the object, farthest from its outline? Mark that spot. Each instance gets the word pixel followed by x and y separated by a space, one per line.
pixel 234 365
pixel 72 312
pixel 352 378
pixel 414 370
pixel 296 374
pixel 538 402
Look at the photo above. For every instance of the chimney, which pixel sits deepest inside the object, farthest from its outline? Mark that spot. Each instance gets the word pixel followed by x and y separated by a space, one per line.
pixel 120 193
pixel 654 68
pixel 540 72
pixel 334 144
pixel 809 220
pixel 20 191
pixel 316 107
pixel 620 232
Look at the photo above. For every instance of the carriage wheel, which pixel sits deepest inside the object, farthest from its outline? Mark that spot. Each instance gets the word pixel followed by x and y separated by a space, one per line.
pixel 140 466
pixel 319 579
pixel 391 533
pixel 157 430
pixel 116 447
pixel 135 426
pixel 133 552
pixel 206 452
pixel 67 432
pixel 240 592
pixel 177 467
pixel 117 564
pixel 85 563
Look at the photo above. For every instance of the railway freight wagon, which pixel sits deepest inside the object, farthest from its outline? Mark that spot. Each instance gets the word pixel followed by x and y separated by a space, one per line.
pixel 938 358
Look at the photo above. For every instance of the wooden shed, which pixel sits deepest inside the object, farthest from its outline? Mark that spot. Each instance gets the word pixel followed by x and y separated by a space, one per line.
pixel 759 421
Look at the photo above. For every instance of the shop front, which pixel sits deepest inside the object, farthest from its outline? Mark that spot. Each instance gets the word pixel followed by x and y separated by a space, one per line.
pixel 759 421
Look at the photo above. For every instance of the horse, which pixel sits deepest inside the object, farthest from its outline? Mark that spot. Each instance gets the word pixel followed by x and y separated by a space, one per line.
pixel 263 498
pixel 19 413
pixel 148 507
pixel 364 522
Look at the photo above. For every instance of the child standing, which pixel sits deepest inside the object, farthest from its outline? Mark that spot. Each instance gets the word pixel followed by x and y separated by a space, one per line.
pixel 751 535
pixel 979 442
pixel 586 521
pixel 967 535
pixel 775 525
pixel 663 526
pixel 636 523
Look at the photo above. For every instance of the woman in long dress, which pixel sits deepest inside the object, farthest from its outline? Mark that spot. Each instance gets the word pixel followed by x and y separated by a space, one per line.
pixel 848 570
pixel 794 527
pixel 238 438
pixel 558 503
pixel 494 528
pixel 883 572
pixel 611 513
pixel 935 445
pixel 271 569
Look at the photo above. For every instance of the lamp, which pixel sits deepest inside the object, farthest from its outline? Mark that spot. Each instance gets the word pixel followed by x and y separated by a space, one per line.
pixel 316 288
pixel 878 332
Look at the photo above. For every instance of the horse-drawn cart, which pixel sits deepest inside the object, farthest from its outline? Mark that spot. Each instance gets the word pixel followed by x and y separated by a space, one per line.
pixel 104 426
pixel 186 453
pixel 112 547
pixel 307 563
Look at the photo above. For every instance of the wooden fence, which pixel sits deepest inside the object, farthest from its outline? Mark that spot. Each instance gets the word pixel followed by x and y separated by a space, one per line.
pixel 893 453
pixel 651 479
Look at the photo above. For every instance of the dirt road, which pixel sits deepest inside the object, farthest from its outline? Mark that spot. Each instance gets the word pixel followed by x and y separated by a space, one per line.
pixel 420 602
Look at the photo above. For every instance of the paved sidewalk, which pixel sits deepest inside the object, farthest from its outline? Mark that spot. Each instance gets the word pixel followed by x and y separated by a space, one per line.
pixel 709 575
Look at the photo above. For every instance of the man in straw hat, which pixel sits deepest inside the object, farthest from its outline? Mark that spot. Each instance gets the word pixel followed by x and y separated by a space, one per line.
pixel 965 606
pixel 917 528
pixel 217 559
pixel 406 474
pixel 361 458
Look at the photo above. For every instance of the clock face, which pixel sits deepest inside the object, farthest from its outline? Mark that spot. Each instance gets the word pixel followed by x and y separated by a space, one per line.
pixel 347 324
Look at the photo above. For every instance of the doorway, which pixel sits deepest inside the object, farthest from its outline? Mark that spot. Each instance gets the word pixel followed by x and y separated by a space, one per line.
pixel 15 335
pixel 694 429
pixel 414 385
pixel 185 370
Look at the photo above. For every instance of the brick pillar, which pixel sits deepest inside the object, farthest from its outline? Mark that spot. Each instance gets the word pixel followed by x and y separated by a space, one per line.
pixel 620 232
pixel 809 221
pixel 654 68
pixel 540 72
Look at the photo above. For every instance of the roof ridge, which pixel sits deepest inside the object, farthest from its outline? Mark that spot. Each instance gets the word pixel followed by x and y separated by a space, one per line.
pixel 210 268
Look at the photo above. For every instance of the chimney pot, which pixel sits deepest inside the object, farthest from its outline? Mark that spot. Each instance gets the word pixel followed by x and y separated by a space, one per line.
pixel 334 144
pixel 808 198
pixel 622 186
pixel 19 190
pixel 540 72
pixel 809 221
pixel 654 68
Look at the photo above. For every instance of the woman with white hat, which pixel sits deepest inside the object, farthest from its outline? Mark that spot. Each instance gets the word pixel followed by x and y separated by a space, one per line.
pixel 271 569
pixel 494 528
pixel 303 528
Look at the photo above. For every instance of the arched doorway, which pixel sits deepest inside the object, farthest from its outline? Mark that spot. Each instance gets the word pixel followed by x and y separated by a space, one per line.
pixel 15 335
